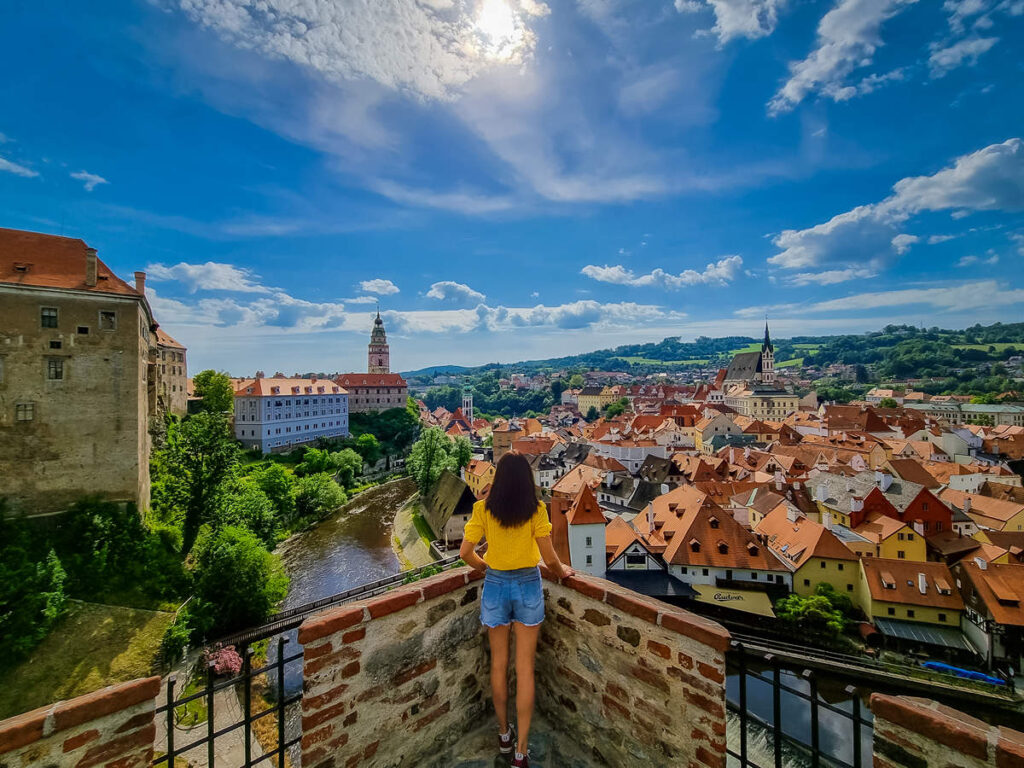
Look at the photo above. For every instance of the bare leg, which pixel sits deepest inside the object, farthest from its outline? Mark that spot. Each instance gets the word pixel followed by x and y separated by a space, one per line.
pixel 526 650
pixel 499 638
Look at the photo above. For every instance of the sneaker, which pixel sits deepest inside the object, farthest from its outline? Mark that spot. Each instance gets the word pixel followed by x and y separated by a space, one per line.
pixel 521 761
pixel 507 742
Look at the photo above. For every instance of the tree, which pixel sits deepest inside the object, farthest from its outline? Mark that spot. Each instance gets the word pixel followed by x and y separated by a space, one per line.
pixel 575 381
pixel 199 454
pixel 348 465
pixel 888 402
pixel 617 408
pixel 214 387
pixel 316 496
pixel 279 486
pixel 368 446
pixel 246 505
pixel 236 579
pixel 433 453
pixel 557 388
pixel 813 614
pixel 592 414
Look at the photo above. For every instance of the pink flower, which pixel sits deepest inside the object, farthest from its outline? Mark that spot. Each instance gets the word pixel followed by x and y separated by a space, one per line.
pixel 226 661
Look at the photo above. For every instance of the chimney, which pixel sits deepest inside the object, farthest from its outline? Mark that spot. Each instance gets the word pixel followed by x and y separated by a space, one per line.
pixel 778 481
pixel 980 562
pixel 90 267
pixel 967 503
pixel 792 514
pixel 826 520
pixel 919 527
pixel 883 480
pixel 140 283
pixel 732 455
pixel 856 504
pixel 822 493
pixel 922 584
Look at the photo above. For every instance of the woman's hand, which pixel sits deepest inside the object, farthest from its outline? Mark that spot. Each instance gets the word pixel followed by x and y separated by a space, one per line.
pixel 566 571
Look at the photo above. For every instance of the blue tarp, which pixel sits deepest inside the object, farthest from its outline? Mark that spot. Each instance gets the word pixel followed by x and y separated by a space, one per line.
pixel 969 674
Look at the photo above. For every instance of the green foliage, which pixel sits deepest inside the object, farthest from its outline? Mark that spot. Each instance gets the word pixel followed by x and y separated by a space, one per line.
pixel 238 583
pixel 617 408
pixel 888 402
pixel 430 570
pixel 576 381
pixel 345 464
pixel 214 387
pixel 488 397
pixel 279 486
pixel 813 615
pixel 592 414
pixel 317 496
pixel 395 428
pixel 368 446
pixel 433 453
pixel 839 601
pixel 245 504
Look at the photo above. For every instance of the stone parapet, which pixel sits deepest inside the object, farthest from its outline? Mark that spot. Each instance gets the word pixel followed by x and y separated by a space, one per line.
pixel 112 727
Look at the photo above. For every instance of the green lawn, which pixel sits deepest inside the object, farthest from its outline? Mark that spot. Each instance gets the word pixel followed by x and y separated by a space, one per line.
pixel 790 363
pixel 649 361
pixel 810 348
pixel 754 346
pixel 1000 346
pixel 93 646
pixel 422 527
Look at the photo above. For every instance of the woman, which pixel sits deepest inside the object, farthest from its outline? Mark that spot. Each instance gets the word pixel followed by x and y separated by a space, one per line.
pixel 518 534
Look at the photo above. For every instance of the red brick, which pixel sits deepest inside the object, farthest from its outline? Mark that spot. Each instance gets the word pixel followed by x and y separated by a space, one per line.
pixel 617 691
pixel 321 700
pixel 354 636
pixel 711 706
pixel 350 719
pixel 659 649
pixel 371 750
pixel 652 678
pixel 344 654
pixel 697 628
pixel 139 720
pixel 80 740
pixel 311 652
pixel 917 716
pixel 891 735
pixel 1009 751
pixel 413 672
pixel 431 717
pixel 106 701
pixel 566 622
pixel 131 761
pixel 654 711
pixel 585 586
pixel 118 746
pixel 311 720
pixel 338 742
pixel 442 584
pixel 615 707
pixel 574 678
pixel 710 672
pixel 633 606
pixel 710 757
pixel 350 669
pixel 685 661
pixel 22 729
pixel 370 693
pixel 310 739
pixel 328 623
pixel 474 575
pixel 393 601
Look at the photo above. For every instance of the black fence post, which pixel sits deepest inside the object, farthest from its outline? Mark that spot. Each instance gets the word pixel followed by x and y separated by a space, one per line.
pixel 170 720
pixel 852 692
pixel 210 678
pixel 743 704
pixel 813 693
pixel 777 710
pixel 281 642
pixel 247 702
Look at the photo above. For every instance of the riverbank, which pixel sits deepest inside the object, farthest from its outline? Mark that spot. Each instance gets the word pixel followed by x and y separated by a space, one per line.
pixel 408 544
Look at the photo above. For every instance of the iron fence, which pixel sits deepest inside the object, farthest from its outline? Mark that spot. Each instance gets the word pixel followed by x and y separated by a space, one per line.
pixel 241 685
pixel 782 743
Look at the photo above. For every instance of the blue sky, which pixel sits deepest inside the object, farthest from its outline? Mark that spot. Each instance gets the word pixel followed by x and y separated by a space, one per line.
pixel 517 179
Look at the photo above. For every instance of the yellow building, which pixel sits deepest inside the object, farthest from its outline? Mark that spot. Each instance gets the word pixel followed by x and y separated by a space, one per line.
pixel 895 593
pixel 479 475
pixel 501 439
pixel 987 512
pixel 594 397
pixel 889 539
pixel 812 552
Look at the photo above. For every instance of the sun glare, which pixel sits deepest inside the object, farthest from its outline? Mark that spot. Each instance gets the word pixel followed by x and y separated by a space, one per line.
pixel 500 31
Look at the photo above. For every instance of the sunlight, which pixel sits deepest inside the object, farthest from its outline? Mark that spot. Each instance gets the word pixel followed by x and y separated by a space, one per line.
pixel 500 30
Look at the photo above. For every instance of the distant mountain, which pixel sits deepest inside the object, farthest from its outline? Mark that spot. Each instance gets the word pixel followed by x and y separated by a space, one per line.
pixel 437 369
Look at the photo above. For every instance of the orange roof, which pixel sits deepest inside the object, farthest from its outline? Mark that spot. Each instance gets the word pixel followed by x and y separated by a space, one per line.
pixel 164 339
pixel 606 463
pixel 572 481
pixel 264 387
pixel 585 509
pixel 878 527
pixel 996 510
pixel 370 380
pixel 49 261
pixel 798 541
pixel 479 467
pixel 1001 589
pixel 533 444
pixel 904 578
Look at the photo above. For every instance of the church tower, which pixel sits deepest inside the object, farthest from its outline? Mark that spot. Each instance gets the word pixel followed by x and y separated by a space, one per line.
pixel 378 357
pixel 467 404
pixel 767 358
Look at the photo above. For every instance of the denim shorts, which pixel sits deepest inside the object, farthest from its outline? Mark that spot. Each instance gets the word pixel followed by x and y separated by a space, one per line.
pixel 512 596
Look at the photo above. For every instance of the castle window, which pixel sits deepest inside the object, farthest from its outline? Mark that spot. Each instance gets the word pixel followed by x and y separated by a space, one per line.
pixel 48 317
pixel 55 344
pixel 83 330
pixel 25 411
pixel 55 370
pixel 108 320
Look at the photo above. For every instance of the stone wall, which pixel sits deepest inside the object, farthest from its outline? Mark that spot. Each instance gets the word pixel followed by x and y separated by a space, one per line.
pixel 391 680
pixel 918 733
pixel 635 680
pixel 110 728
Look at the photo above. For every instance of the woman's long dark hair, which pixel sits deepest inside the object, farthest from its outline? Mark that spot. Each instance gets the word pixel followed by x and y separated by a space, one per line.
pixel 513 497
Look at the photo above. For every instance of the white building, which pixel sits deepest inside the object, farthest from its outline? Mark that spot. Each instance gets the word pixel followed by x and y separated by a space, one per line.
pixel 586 534
pixel 278 414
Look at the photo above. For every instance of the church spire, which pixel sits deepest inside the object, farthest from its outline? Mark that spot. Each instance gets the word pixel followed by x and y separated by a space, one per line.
pixel 378 352
pixel 767 345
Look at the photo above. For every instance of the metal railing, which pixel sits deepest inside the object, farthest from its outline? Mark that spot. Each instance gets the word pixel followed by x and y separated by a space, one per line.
pixel 856 721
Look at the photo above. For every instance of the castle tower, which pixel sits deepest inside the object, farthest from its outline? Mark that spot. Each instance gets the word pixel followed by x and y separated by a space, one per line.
pixel 767 358
pixel 378 357
pixel 467 404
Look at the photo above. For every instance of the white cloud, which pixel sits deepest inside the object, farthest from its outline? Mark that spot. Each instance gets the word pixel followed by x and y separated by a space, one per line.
pixel 991 179
pixel 716 273
pixel 428 49
pixel 829 276
pixel 89 180
pixel 936 239
pixel 901 243
pixel 944 59
pixel 738 18
pixel 211 276
pixel 18 170
pixel 960 10
pixel 379 286
pixel 848 36
pixel 967 261
pixel 448 290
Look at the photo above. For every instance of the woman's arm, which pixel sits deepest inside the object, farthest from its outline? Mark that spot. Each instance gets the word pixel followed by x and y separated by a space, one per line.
pixel 547 551
pixel 468 553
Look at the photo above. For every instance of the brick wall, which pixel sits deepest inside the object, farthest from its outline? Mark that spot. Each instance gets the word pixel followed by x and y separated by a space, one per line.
pixel 110 728
pixel 393 680
pixel 637 681
pixel 918 733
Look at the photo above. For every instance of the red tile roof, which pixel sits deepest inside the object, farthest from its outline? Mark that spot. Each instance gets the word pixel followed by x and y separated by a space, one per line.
pixel 903 576
pixel 49 261
pixel 287 387
pixel 585 509
pixel 164 339
pixel 370 380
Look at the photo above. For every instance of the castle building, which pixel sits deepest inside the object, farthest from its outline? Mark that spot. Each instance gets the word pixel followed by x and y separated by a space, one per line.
pixel 82 380
pixel 278 414
pixel 378 389
pixel 750 386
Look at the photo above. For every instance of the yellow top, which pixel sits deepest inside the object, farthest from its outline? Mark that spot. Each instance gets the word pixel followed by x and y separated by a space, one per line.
pixel 508 548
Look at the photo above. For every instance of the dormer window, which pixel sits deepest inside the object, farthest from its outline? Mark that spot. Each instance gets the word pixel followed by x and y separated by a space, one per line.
pixel 694 545
pixel 713 521
pixel 723 548
pixel 752 549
